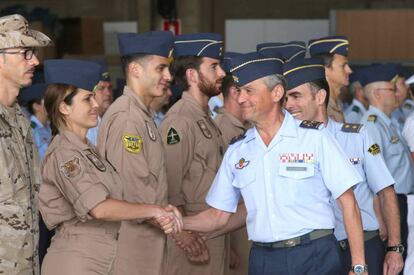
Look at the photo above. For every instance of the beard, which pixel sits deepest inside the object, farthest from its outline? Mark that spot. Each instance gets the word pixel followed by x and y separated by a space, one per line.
pixel 207 87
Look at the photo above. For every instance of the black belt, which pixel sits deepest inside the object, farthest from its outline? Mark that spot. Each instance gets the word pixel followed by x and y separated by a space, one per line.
pixel 368 235
pixel 315 234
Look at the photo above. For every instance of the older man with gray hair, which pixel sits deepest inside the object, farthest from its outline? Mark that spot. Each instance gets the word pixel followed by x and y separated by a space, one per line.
pixel 19 160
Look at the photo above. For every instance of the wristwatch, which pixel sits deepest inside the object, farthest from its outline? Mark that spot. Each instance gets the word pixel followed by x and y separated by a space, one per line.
pixel 359 269
pixel 397 248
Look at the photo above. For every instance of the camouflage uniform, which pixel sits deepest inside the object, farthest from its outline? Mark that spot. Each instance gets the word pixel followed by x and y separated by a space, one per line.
pixel 19 186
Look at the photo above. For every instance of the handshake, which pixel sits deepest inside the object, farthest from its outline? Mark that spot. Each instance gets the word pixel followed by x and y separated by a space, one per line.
pixel 168 219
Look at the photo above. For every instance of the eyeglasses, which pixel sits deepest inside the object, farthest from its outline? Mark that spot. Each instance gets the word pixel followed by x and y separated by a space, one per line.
pixel 27 53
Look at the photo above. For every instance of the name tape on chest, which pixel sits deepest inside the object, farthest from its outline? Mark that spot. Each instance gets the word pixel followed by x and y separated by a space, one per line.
pixel 297 158
pixel 204 129
pixel 374 149
pixel 173 137
pixel 95 159
pixel 132 143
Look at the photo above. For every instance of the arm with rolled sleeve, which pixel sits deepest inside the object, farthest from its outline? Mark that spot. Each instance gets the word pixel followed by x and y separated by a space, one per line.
pixel 336 166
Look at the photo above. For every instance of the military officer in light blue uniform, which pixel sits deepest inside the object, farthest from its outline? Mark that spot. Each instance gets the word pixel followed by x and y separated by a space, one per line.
pixel 359 105
pixel 286 173
pixel 307 97
pixel 379 87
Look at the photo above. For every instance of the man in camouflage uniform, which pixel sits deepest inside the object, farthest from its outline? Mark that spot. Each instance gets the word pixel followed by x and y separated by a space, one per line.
pixel 19 160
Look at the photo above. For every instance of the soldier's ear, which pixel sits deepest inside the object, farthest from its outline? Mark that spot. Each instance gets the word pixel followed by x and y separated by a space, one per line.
pixel 192 76
pixel 135 69
pixel 278 92
pixel 64 108
pixel 321 96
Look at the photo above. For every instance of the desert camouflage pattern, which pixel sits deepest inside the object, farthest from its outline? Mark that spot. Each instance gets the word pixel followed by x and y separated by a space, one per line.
pixel 19 186
pixel 15 32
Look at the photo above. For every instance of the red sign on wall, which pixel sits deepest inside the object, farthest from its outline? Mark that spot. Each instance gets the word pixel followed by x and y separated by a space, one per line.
pixel 172 25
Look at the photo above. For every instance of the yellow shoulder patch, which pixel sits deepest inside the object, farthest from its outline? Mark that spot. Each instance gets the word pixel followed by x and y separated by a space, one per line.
pixel 132 143
pixel 374 149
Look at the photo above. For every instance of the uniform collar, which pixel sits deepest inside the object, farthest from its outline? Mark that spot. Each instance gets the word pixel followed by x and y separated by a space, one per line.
pixel 34 119
pixel 137 101
pixel 193 104
pixel 233 119
pixel 73 139
pixel 358 103
pixel 381 114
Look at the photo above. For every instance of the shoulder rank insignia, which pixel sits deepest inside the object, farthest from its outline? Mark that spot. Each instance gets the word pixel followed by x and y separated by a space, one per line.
pixel 310 124
pixel 241 163
pixel 71 168
pixel 33 125
pixel 351 127
pixel 203 127
pixel 374 149
pixel 172 136
pixel 132 144
pixel 236 139
pixel 96 161
pixel 372 118
pixel 355 109
pixel 151 132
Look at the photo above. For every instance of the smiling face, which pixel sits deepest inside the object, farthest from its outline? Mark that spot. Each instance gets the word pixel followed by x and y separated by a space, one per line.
pixel 155 76
pixel 302 103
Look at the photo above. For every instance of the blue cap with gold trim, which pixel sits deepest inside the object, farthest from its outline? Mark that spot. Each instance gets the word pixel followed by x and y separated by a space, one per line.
pixel 226 62
pixel 79 73
pixel 329 45
pixel 151 43
pixel 378 73
pixel 251 66
pixel 301 71
pixel 199 44
pixel 285 51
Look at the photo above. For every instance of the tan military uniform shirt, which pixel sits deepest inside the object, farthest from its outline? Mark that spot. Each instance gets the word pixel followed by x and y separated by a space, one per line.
pixel 76 179
pixel 19 185
pixel 335 111
pixel 231 127
pixel 194 147
pixel 130 141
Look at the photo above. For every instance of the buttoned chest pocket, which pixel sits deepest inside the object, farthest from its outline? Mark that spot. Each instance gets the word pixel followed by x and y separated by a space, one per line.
pixel 395 148
pixel 297 181
pixel 244 181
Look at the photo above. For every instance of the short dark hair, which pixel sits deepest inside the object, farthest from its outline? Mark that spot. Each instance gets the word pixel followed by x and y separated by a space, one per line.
pixel 320 84
pixel 180 65
pixel 228 82
pixel 30 105
pixel 128 59
pixel 327 59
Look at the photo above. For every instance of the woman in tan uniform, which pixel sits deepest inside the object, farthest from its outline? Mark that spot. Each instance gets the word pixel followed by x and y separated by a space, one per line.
pixel 81 194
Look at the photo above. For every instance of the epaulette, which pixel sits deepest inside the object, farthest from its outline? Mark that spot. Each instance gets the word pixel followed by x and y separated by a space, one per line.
pixel 356 109
pixel 351 127
pixel 237 138
pixel 33 125
pixel 372 118
pixel 310 124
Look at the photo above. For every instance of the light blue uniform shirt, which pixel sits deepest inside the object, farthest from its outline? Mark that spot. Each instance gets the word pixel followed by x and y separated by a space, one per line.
pixel 214 103
pixel 92 133
pixel 41 135
pixel 398 118
pixel 286 185
pixel 407 107
pixel 393 147
pixel 354 112
pixel 372 169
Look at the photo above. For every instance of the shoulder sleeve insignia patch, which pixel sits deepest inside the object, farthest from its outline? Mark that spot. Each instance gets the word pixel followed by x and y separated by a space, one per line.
pixel 407 106
pixel 173 137
pixel 33 125
pixel 372 118
pixel 132 143
pixel 236 139
pixel 351 127
pixel 95 159
pixel 310 124
pixel 71 168
pixel 374 149
pixel 204 129
pixel 355 109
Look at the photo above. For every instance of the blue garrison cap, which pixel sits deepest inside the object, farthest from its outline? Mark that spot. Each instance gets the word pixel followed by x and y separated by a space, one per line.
pixel 199 44
pixel 79 73
pixel 329 45
pixel 225 63
pixel 251 66
pixel 285 51
pixel 151 43
pixel 377 73
pixel 33 92
pixel 301 71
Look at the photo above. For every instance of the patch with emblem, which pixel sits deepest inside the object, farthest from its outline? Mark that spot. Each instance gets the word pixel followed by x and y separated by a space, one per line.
pixel 394 139
pixel 242 163
pixel 310 124
pixel 355 160
pixel 33 124
pixel 96 161
pixel 71 168
pixel 374 149
pixel 372 118
pixel 355 109
pixel 351 127
pixel 132 143
pixel 203 127
pixel 297 158
pixel 235 79
pixel 151 132
pixel 172 136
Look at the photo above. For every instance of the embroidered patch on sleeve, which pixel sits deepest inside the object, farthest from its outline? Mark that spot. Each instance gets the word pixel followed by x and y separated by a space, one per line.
pixel 132 143
pixel 173 137
pixel 71 168
pixel 374 149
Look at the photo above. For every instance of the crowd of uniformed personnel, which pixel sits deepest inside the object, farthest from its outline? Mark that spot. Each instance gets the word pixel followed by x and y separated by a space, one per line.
pixel 279 177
